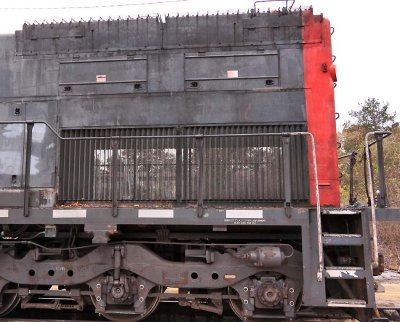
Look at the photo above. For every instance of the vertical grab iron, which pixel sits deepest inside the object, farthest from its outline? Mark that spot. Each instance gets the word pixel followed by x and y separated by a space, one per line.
pixel 114 182
pixel 200 182
pixel 28 154
pixel 381 135
pixel 287 175
pixel 382 199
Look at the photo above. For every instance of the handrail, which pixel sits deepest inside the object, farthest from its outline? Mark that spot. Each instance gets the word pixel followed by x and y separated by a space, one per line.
pixel 200 136
pixel 384 134
pixel 258 1
pixel 348 155
pixel 352 157
pixel 375 258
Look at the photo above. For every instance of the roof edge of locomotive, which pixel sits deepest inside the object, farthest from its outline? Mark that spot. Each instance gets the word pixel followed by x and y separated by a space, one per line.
pixel 154 32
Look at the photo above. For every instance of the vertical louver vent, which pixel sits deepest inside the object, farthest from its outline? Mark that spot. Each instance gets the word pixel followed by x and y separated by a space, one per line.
pixel 155 164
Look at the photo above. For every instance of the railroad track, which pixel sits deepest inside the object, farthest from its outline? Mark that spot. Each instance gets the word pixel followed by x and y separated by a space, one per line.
pixel 163 314
pixel 387 300
pixel 41 320
pixel 166 314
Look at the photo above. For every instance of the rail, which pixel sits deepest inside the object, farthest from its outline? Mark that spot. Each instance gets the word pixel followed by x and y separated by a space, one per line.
pixel 199 139
pixel 379 136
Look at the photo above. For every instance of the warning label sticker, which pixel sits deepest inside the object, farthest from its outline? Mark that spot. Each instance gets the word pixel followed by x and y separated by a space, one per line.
pixel 232 73
pixel 101 78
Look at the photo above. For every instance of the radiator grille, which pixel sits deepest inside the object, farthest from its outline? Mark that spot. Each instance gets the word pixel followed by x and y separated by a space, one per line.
pixel 167 169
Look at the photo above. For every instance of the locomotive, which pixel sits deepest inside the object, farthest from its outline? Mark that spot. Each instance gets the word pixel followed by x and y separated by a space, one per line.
pixel 187 159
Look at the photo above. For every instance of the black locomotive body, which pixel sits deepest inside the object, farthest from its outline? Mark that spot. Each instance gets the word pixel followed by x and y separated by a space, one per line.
pixel 176 160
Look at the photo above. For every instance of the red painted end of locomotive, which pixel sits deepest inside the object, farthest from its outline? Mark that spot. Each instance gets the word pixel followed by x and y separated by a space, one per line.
pixel 319 77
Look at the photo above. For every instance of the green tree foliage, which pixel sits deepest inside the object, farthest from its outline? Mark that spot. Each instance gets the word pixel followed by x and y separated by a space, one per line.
pixel 371 115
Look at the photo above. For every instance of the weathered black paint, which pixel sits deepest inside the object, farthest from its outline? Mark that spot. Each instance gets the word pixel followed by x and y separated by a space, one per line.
pixel 192 72
pixel 50 71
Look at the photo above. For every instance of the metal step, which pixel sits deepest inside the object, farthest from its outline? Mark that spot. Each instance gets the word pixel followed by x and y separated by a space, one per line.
pixel 342 239
pixel 348 273
pixel 346 303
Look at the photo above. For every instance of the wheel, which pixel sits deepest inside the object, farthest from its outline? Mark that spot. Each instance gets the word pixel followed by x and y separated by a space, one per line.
pixel 260 314
pixel 9 301
pixel 151 305
pixel 236 307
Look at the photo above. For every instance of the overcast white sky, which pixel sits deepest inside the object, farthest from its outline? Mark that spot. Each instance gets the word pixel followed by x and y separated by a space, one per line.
pixel 365 42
